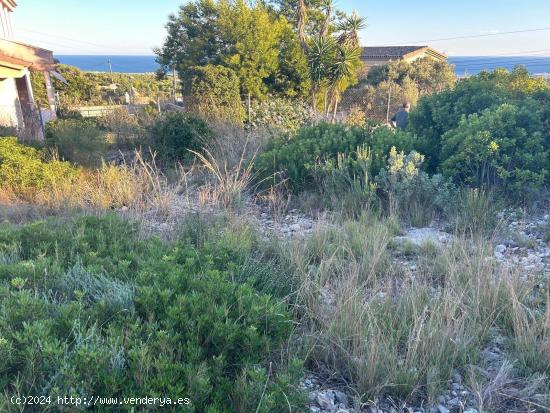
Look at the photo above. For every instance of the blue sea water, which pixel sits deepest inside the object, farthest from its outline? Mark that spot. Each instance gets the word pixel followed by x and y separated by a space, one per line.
pixel 471 65
pixel 464 65
pixel 122 64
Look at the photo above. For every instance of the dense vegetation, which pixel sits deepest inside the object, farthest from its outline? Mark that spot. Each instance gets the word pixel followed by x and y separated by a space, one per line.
pixel 256 48
pixel 299 260
pixel 389 86
pixel 89 309
pixel 93 88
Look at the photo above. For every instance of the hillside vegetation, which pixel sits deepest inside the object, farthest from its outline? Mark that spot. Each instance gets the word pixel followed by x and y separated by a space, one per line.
pixel 273 244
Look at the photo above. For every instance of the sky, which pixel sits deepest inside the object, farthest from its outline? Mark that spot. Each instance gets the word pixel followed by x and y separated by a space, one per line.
pixel 134 27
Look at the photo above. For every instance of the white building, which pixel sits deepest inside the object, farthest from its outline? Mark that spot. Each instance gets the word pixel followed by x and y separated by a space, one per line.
pixel 18 108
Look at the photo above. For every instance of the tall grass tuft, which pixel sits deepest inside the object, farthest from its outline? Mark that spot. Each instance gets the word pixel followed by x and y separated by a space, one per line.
pixel 227 184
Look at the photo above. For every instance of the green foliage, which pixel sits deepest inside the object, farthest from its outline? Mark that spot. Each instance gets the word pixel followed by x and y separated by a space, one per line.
pixel 317 148
pixel 408 83
pixel 76 140
pixel 90 309
pixel 429 75
pixel 291 79
pixel 215 93
pixel 442 112
pixel 412 194
pixel 24 170
pixel 92 88
pixel 175 133
pixel 285 115
pixel 504 146
pixel 250 39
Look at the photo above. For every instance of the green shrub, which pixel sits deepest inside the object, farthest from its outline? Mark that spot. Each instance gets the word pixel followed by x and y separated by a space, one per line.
pixel 502 147
pixel 24 170
pixel 76 140
pixel 88 308
pixel 412 194
pixel 439 113
pixel 214 93
pixel 7 131
pixel 175 133
pixel 283 114
pixel 314 150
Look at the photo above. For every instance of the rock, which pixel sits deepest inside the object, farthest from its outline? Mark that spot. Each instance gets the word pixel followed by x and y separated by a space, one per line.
pixel 325 400
pixel 456 386
pixel 340 397
pixel 454 402
pixel 295 227
pixel 471 410
pixel 421 236
pixel 442 409
pixel 314 409
pixel 500 249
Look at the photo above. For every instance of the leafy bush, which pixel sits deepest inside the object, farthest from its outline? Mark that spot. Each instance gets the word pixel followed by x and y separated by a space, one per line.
pixel 316 148
pixel 214 93
pixel 502 147
pixel 124 127
pixel 90 309
pixel 439 113
pixel 175 133
pixel 283 114
pixel 24 170
pixel 411 193
pixel 76 140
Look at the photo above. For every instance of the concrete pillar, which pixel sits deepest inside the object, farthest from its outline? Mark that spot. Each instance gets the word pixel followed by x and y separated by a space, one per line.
pixel 51 94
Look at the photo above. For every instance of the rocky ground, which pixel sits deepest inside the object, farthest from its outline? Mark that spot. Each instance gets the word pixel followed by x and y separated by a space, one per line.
pixel 524 244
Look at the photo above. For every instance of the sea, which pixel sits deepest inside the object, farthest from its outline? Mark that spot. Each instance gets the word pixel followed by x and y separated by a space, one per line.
pixel 464 65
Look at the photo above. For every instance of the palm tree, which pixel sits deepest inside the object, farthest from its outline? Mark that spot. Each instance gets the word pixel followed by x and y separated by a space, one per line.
pixel 350 28
pixel 342 69
pixel 320 57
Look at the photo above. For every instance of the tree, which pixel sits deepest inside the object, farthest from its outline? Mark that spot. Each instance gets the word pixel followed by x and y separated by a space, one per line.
pixel 252 37
pixel 321 52
pixel 350 27
pixel 193 38
pixel 342 73
pixel 253 40
pixel 215 93
pixel 291 79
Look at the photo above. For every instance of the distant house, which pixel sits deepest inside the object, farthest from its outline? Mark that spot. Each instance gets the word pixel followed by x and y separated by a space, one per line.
pixel 376 56
pixel 18 108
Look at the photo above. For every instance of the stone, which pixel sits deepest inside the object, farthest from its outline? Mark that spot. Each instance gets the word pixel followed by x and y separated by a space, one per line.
pixel 500 249
pixel 454 401
pixel 471 410
pixel 325 400
pixel 295 227
pixel 314 409
pixel 421 236
pixel 442 409
pixel 340 397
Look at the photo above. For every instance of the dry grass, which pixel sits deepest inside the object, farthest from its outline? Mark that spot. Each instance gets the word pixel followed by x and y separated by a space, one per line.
pixel 387 331
pixel 138 187
pixel 226 184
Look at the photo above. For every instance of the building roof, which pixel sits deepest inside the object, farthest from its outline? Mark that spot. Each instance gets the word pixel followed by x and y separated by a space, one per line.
pixel 34 58
pixel 398 52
